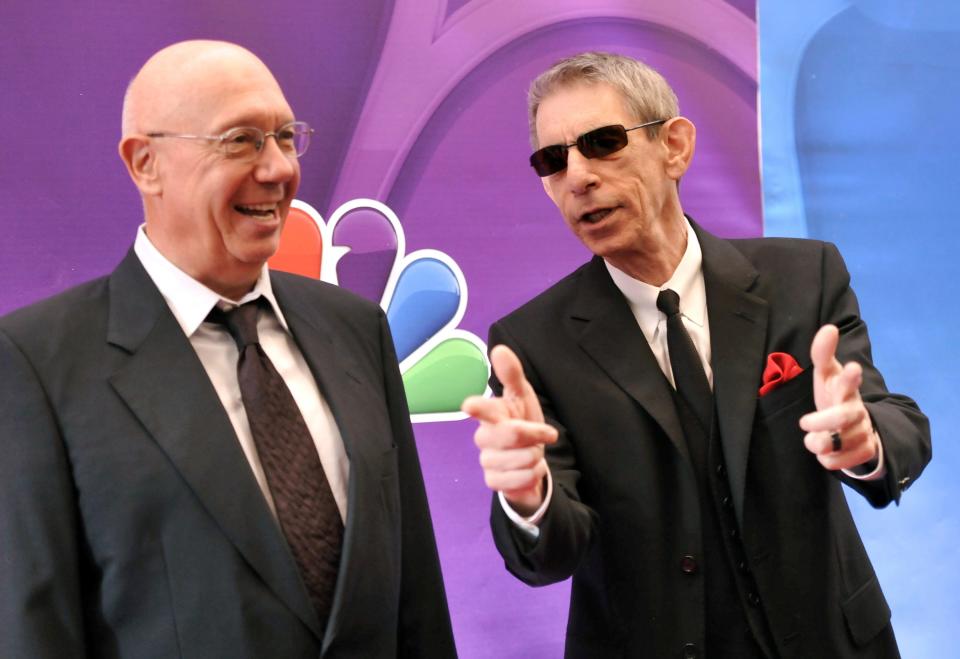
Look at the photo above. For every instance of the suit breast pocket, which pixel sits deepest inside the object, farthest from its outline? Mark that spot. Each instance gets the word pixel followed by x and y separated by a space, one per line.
pixel 789 400
pixel 777 445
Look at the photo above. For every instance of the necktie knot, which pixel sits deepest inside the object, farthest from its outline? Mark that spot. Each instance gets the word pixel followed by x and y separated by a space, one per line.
pixel 240 321
pixel 668 302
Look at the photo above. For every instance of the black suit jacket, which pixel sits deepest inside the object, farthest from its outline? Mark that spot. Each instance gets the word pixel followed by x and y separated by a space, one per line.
pixel 625 511
pixel 132 525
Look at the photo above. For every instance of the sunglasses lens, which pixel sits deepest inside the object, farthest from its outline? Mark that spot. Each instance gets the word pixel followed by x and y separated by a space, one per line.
pixel 549 160
pixel 595 144
pixel 602 141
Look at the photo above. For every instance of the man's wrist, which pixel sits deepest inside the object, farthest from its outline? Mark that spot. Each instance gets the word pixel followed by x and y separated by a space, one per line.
pixel 874 468
pixel 528 523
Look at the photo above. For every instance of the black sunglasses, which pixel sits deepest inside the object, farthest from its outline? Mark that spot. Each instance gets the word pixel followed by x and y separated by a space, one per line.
pixel 596 143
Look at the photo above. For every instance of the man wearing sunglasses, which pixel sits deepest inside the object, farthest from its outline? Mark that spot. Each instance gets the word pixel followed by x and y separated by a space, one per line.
pixel 201 457
pixel 677 416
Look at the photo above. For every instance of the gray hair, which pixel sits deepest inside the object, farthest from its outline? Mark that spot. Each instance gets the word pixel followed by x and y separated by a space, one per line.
pixel 646 93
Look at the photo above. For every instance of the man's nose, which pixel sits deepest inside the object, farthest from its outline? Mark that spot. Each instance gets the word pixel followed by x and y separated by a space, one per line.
pixel 273 164
pixel 581 174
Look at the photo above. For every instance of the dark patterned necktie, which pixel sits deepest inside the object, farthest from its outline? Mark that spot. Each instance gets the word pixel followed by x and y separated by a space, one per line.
pixel 688 373
pixel 305 506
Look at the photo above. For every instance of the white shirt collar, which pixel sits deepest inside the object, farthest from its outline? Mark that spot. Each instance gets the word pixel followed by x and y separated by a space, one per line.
pixel 188 299
pixel 686 280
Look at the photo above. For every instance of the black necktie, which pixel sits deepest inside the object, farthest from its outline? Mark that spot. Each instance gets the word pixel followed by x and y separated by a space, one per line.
pixel 688 374
pixel 305 506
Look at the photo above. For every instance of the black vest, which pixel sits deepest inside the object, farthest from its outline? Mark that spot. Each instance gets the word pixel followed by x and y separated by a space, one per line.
pixel 736 625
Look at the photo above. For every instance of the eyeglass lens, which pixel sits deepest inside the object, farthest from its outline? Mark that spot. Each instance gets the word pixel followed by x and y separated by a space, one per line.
pixel 293 139
pixel 596 143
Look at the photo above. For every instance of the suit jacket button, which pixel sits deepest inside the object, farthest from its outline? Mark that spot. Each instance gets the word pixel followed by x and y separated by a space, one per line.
pixel 690 651
pixel 688 564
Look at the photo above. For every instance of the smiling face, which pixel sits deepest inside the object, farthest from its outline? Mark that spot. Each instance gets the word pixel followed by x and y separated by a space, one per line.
pixel 624 206
pixel 216 217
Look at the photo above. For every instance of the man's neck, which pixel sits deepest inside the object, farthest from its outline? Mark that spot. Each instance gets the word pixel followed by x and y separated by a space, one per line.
pixel 232 281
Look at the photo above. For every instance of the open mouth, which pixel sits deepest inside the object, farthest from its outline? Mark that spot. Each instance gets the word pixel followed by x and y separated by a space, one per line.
pixel 260 211
pixel 596 216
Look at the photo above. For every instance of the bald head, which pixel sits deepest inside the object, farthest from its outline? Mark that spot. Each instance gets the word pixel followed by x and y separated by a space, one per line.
pixel 176 81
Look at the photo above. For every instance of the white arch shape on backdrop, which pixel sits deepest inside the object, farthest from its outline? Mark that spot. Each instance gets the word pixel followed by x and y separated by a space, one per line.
pixel 425 57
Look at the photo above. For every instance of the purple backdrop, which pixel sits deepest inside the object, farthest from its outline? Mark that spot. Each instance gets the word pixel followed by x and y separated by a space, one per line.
pixel 417 103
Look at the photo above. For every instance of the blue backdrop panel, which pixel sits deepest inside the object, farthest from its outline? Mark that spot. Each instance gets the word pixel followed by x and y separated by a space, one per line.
pixel 859 104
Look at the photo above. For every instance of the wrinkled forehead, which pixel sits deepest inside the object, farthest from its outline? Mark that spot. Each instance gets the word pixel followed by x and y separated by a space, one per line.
pixel 572 109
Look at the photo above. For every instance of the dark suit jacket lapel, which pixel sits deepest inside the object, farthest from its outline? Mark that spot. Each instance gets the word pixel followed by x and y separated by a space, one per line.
pixel 738 327
pixel 165 386
pixel 315 332
pixel 613 339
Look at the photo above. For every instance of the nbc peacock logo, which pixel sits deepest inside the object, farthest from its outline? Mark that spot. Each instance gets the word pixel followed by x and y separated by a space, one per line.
pixel 424 293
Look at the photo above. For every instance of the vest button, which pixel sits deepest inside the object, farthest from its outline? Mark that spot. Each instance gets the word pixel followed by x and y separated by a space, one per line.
pixel 690 651
pixel 721 472
pixel 688 564
pixel 743 567
pixel 754 599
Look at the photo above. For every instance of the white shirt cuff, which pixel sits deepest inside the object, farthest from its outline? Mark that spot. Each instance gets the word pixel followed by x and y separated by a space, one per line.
pixel 878 472
pixel 528 525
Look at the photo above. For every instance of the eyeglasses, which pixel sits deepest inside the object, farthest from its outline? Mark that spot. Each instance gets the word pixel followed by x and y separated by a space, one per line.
pixel 246 142
pixel 596 143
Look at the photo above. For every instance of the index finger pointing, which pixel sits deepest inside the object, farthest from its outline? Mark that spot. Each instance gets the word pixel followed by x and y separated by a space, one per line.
pixel 847 386
pixel 514 434
pixel 489 410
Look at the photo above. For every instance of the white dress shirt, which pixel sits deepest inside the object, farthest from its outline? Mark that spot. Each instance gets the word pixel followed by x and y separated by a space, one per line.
pixel 190 302
pixel 687 282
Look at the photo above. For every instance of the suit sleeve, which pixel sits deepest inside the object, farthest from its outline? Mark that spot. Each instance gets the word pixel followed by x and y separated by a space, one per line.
pixel 40 608
pixel 903 428
pixel 424 629
pixel 568 526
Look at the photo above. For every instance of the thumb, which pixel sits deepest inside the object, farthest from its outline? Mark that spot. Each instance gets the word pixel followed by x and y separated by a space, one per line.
pixel 517 392
pixel 507 367
pixel 823 351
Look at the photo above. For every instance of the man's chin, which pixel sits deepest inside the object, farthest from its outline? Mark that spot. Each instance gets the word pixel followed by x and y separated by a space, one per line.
pixel 253 253
pixel 601 245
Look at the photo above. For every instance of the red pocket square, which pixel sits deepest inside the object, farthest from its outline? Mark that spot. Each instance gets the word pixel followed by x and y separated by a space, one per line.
pixel 780 368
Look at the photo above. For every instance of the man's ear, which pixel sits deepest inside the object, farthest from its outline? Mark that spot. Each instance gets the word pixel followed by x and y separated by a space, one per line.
pixel 679 135
pixel 138 155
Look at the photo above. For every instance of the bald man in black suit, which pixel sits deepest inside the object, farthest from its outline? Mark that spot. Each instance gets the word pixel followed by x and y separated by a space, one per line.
pixel 138 516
